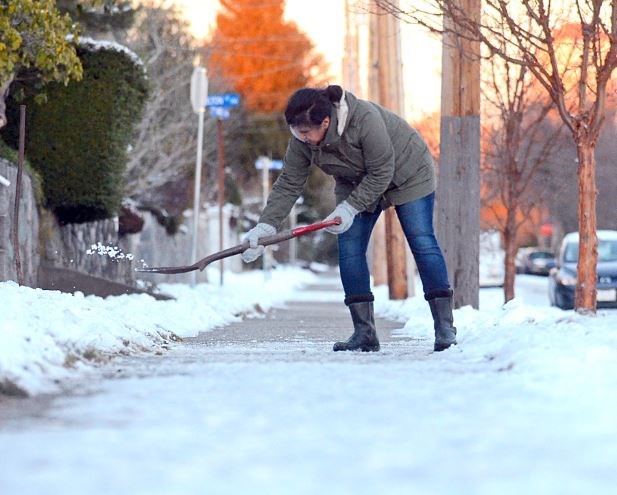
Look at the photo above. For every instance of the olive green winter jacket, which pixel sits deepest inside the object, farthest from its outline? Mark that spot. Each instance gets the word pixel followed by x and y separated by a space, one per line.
pixel 375 156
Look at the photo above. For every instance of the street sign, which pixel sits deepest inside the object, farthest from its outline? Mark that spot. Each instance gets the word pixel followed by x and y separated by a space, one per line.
pixel 199 89
pixel 261 162
pixel 264 161
pixel 219 112
pixel 223 100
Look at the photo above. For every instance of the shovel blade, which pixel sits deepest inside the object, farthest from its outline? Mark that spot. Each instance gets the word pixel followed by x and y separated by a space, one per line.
pixel 167 269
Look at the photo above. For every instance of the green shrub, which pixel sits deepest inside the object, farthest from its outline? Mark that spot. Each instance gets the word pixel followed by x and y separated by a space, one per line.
pixel 78 138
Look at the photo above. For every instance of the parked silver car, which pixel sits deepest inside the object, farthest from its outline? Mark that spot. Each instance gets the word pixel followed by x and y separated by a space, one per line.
pixel 534 261
pixel 562 278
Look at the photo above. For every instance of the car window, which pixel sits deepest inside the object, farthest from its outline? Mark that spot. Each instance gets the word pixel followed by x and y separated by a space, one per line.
pixel 541 255
pixel 607 251
pixel 570 254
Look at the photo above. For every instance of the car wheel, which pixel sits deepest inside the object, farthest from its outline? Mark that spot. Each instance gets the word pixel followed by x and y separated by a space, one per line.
pixel 560 303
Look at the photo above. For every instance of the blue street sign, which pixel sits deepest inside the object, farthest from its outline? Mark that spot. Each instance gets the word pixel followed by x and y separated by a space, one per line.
pixel 223 100
pixel 219 112
pixel 264 161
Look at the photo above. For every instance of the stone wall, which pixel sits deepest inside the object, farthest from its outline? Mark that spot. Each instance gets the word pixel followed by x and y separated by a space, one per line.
pixel 96 249
pixel 28 227
pixel 90 248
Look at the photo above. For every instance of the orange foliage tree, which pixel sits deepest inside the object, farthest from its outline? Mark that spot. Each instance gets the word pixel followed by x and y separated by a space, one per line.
pixel 262 56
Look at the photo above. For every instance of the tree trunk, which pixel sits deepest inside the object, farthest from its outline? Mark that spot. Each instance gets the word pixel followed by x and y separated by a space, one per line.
pixel 587 224
pixel 509 240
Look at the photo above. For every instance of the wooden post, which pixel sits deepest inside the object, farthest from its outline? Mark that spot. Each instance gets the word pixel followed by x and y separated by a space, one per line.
pixel 458 185
pixel 378 239
pixel 20 170
pixel 386 62
pixel 379 265
pixel 351 68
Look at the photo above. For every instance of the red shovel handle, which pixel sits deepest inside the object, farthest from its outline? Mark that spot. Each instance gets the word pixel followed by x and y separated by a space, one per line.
pixel 315 226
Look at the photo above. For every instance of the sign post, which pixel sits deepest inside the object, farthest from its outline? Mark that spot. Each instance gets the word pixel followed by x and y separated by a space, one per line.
pixel 219 108
pixel 221 190
pixel 199 94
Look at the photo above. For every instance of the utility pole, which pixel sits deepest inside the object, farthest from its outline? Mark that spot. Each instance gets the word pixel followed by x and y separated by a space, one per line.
pixel 351 66
pixel 378 239
pixel 458 229
pixel 386 88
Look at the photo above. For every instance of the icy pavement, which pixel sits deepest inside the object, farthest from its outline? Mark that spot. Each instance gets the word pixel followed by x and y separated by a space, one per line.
pixel 263 406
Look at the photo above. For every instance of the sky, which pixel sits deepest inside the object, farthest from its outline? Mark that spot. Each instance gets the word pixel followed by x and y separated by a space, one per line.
pixel 323 22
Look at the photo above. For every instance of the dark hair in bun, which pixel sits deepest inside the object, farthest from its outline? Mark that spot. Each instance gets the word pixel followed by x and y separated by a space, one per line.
pixel 309 106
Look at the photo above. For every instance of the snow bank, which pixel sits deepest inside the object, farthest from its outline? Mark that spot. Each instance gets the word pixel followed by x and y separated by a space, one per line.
pixel 46 337
pixel 98 45
pixel 539 341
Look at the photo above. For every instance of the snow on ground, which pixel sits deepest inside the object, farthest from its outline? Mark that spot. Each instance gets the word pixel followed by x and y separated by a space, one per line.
pixel 526 334
pixel 46 337
pixel 524 404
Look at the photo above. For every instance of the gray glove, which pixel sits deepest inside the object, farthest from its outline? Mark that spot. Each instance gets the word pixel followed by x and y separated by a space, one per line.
pixel 346 213
pixel 253 236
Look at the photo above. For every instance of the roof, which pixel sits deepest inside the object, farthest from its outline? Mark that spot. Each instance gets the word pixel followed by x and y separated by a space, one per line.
pixel 603 235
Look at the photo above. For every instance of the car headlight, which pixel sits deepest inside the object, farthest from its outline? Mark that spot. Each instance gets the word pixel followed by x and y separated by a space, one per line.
pixel 566 279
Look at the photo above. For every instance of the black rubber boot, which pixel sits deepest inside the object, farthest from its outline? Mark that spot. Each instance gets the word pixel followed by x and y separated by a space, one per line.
pixel 364 336
pixel 441 309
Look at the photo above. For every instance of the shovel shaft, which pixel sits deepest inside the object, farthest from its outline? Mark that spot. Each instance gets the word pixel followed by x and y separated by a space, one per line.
pixel 240 248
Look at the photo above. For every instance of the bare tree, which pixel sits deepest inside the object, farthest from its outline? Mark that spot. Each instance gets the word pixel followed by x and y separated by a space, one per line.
pixel 578 86
pixel 520 142
pixel 163 150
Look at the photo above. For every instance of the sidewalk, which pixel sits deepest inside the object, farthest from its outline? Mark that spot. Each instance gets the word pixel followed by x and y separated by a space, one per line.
pixel 313 319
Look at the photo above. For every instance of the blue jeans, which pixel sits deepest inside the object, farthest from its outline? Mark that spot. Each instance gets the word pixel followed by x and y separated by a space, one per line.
pixel 416 218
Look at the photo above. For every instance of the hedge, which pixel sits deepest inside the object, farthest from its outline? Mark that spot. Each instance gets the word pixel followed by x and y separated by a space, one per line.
pixel 78 138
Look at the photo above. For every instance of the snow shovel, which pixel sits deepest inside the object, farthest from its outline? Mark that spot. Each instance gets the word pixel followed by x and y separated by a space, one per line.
pixel 240 248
